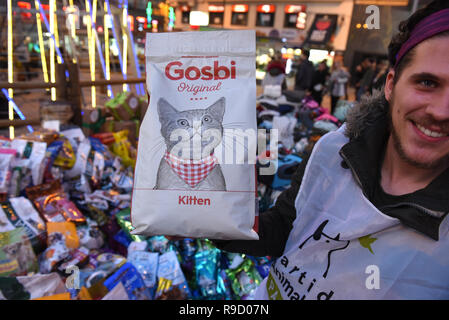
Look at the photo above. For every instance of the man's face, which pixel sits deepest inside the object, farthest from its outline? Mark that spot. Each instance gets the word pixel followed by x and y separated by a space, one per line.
pixel 419 106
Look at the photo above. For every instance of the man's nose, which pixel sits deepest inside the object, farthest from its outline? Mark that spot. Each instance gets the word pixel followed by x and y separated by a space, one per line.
pixel 439 106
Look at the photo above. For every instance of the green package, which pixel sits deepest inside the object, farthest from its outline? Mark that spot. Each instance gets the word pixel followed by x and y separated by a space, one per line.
pixel 124 221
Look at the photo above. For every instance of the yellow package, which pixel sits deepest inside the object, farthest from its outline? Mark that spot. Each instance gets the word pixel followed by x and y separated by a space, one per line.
pixel 84 294
pixel 59 296
pixel 121 148
pixel 67 229
pixel 66 157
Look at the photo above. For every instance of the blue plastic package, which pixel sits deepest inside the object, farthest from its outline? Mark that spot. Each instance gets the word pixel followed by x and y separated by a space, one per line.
pixel 146 263
pixel 170 269
pixel 206 272
pixel 131 280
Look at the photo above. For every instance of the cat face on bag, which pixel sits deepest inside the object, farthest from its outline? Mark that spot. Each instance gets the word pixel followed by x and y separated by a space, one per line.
pixel 191 134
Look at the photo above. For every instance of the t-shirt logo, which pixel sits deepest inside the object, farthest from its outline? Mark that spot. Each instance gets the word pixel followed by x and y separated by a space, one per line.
pixel 320 236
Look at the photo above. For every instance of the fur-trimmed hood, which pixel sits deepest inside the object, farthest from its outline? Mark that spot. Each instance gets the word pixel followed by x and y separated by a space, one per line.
pixel 365 113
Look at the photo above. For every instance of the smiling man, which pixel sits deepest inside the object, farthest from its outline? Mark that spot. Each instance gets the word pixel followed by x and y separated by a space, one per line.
pixel 366 216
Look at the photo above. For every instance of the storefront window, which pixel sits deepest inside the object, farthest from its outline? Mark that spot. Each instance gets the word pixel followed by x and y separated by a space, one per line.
pixel 216 14
pixel 185 18
pixel 265 15
pixel 295 16
pixel 239 14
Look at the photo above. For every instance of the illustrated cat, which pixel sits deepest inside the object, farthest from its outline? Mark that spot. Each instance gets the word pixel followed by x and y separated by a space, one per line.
pixel 196 133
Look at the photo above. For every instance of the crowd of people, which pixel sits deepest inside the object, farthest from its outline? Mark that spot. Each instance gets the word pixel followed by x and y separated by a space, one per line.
pixel 319 80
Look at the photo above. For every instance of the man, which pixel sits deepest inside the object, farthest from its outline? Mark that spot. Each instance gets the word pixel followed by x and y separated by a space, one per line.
pixel 366 217
pixel 367 79
pixel 320 76
pixel 275 72
pixel 359 72
pixel 381 75
pixel 303 78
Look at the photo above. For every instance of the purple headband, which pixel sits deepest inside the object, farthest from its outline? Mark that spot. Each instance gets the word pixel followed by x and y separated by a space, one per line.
pixel 432 25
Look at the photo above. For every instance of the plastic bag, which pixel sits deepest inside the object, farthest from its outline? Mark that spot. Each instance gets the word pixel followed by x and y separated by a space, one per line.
pixel 169 269
pixel 131 280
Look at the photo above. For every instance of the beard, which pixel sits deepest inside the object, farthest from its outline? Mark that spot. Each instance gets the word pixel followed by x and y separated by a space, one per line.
pixel 399 146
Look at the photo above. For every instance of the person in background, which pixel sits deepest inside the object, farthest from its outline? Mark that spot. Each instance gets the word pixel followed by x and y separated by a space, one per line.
pixel 359 72
pixel 381 76
pixel 320 76
pixel 303 78
pixel 367 80
pixel 275 74
pixel 337 83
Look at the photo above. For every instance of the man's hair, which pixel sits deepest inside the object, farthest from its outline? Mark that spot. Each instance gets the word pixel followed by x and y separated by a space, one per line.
pixel 306 53
pixel 405 29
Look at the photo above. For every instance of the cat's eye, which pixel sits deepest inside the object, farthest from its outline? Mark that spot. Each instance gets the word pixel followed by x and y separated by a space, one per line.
pixel 183 122
pixel 206 119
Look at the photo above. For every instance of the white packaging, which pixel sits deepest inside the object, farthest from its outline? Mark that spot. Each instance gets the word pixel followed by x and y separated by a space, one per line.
pixel 204 83
pixel 35 152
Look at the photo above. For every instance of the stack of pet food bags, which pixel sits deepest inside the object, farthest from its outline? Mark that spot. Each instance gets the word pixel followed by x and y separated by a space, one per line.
pixel 65 229
pixel 124 112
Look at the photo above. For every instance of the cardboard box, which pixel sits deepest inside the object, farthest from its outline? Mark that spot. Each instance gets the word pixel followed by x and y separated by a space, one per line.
pixel 93 120
pixel 124 106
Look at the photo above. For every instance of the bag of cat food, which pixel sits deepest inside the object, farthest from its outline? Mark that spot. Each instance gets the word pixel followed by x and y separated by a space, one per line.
pixel 195 174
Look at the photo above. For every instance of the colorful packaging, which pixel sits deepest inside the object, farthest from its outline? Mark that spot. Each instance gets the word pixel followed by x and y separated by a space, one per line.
pixel 6 158
pixel 21 214
pixel 146 263
pixel 191 180
pixel 16 254
pixel 55 253
pixel 53 203
pixel 82 156
pixel 31 287
pixel 90 235
pixel 93 119
pixel 121 147
pixel 170 269
pixel 123 106
pixel 68 229
pixel 124 221
pixel 66 156
pixel 131 280
pixel 244 278
pixel 78 257
pixel 75 136
pixel 117 293
pixel 206 272
pixel 159 244
pixel 35 152
pixel 5 224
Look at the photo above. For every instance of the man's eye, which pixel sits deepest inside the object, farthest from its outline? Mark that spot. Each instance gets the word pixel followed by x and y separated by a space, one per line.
pixel 428 83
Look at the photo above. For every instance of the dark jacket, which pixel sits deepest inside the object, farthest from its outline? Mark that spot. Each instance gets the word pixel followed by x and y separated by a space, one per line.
pixel 304 76
pixel 368 131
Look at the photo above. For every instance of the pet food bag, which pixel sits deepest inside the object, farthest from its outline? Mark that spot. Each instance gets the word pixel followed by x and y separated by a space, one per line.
pixel 195 174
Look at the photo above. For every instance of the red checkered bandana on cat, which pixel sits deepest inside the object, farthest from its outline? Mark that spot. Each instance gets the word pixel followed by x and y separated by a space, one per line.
pixel 191 171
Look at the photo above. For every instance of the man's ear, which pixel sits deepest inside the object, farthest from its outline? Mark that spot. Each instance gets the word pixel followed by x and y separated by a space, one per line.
pixel 389 85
